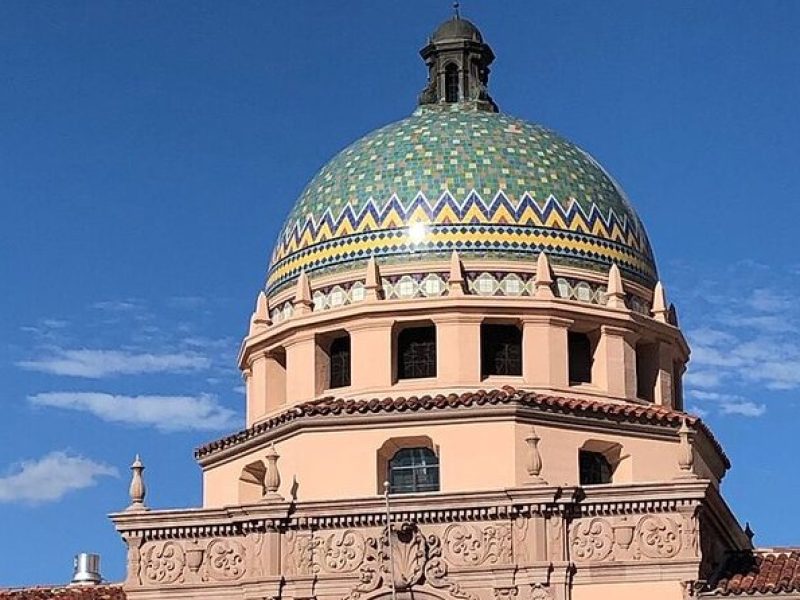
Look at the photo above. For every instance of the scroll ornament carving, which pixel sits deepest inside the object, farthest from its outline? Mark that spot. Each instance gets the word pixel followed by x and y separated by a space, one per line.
pixel 658 537
pixel 653 536
pixel 592 540
pixel 342 553
pixel 225 560
pixel 415 560
pixel 472 546
pixel 540 592
pixel 163 563
pixel 300 553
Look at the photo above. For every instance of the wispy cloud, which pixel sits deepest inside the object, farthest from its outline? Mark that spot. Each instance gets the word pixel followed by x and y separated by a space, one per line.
pixel 51 477
pixel 164 413
pixel 730 404
pixel 95 364
pixel 118 305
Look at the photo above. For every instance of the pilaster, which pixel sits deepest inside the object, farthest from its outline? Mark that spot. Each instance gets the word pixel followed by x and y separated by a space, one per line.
pixel 458 340
pixel 544 351
pixel 371 354
pixel 617 355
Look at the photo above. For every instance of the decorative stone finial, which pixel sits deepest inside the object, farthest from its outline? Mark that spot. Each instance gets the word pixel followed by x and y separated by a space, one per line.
pixel 260 320
pixel 303 304
pixel 534 458
pixel 544 278
pixel 685 451
pixel 373 284
pixel 615 294
pixel 455 281
pixel 137 489
pixel 748 531
pixel 659 310
pixel 272 480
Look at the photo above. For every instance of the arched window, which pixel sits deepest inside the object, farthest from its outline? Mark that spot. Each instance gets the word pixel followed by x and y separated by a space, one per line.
pixel 501 350
pixel 340 362
pixel 451 83
pixel 416 352
pixel 594 468
pixel 414 470
pixel 579 348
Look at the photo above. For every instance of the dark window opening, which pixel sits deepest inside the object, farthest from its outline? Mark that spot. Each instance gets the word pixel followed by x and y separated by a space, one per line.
pixel 501 350
pixel 646 371
pixel 677 386
pixel 451 83
pixel 340 362
pixel 414 470
pixel 416 349
pixel 594 468
pixel 579 348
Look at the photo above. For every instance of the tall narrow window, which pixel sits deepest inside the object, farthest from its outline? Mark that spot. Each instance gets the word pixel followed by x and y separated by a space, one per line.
pixel 579 348
pixel 677 386
pixel 501 350
pixel 340 362
pixel 451 83
pixel 646 371
pixel 594 468
pixel 416 352
pixel 414 470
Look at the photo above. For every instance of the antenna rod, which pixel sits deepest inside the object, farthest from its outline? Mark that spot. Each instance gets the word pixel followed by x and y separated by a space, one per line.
pixel 389 536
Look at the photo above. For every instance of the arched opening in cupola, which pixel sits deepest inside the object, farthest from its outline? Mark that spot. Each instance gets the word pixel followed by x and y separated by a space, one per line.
pixel 451 84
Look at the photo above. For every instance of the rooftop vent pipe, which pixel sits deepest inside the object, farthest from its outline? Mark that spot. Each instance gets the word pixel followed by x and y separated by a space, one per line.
pixel 87 569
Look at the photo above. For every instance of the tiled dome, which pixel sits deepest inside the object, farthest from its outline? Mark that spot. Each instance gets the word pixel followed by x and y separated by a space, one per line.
pixel 449 177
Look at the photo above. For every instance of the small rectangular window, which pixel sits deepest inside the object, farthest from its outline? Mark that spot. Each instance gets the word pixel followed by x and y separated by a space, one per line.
pixel 416 353
pixel 501 350
pixel 579 348
pixel 594 468
pixel 340 362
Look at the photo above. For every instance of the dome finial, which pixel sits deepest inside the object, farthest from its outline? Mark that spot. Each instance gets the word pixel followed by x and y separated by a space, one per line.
pixel 456 6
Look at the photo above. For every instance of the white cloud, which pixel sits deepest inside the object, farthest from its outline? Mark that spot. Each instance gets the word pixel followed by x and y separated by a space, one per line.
pixel 118 305
pixel 95 364
pixel 51 477
pixel 746 409
pixel 702 379
pixel 729 404
pixel 165 413
pixel 766 300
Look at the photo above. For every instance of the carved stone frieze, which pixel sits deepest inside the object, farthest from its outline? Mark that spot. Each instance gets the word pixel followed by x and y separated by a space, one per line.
pixel 646 537
pixel 162 563
pixel 506 593
pixel 471 545
pixel 658 537
pixel 340 552
pixel 225 560
pixel 540 592
pixel 592 540
pixel 407 558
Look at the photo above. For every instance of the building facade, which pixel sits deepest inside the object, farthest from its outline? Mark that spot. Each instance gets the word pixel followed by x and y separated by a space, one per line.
pixel 463 382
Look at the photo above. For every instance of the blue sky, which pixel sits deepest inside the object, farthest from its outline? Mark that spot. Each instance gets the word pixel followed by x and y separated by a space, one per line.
pixel 150 150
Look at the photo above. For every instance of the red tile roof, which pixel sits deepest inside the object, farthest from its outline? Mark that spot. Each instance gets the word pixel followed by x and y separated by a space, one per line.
pixel 613 411
pixel 759 572
pixel 85 592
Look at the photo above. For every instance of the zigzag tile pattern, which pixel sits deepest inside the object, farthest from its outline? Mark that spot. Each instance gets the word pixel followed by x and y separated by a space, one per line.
pixel 470 226
pixel 486 184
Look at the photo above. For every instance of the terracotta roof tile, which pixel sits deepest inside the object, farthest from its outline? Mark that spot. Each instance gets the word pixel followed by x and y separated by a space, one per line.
pixel 616 411
pixel 88 592
pixel 759 572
